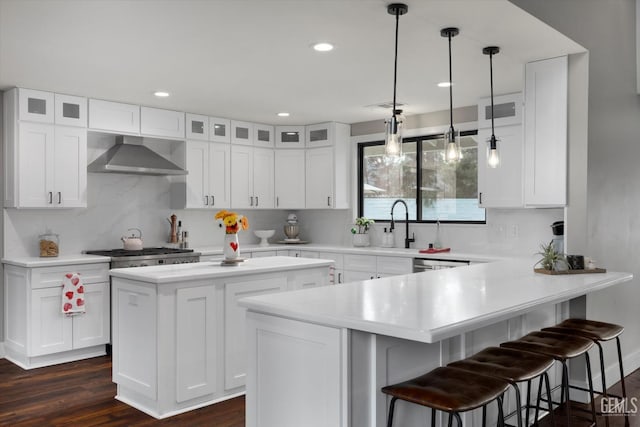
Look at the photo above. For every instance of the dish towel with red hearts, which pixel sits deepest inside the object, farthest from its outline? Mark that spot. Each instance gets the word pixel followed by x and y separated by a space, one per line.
pixel 72 295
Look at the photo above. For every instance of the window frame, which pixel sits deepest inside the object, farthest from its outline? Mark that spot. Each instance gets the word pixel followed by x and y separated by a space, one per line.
pixel 418 140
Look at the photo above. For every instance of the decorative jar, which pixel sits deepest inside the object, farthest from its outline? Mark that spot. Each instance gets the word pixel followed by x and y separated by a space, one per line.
pixel 231 249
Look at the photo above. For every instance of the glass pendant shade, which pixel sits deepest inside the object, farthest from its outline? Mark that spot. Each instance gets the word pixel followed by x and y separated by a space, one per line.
pixel 393 136
pixel 493 155
pixel 452 151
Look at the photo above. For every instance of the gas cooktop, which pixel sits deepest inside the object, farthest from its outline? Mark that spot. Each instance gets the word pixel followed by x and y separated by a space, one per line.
pixel 141 252
pixel 147 256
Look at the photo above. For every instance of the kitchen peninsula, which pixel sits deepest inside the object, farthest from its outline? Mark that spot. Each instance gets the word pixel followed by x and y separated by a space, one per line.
pixel 322 355
pixel 179 335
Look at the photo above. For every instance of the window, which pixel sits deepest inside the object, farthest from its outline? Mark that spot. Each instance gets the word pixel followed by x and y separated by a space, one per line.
pixel 446 192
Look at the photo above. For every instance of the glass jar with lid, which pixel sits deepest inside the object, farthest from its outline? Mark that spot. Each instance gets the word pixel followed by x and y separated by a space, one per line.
pixel 49 244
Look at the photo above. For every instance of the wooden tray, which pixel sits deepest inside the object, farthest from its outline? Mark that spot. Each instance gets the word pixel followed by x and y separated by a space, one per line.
pixel 558 273
pixel 231 262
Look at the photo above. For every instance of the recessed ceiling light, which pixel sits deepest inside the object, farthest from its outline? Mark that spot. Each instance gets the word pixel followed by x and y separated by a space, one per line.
pixel 444 84
pixel 283 114
pixel 161 94
pixel 323 47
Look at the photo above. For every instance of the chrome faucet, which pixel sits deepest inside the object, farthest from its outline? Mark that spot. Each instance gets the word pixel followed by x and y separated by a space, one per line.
pixel 407 240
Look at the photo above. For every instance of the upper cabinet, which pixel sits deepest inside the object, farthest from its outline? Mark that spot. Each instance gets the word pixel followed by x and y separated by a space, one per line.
pixel 35 105
pixel 114 117
pixel 241 132
pixel 320 135
pixel 197 127
pixel 290 136
pixel 70 110
pixel 263 135
pixel 219 129
pixel 162 123
pixel 545 133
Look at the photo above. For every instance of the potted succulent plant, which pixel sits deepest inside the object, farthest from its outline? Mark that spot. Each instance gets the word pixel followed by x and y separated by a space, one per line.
pixel 552 259
pixel 360 233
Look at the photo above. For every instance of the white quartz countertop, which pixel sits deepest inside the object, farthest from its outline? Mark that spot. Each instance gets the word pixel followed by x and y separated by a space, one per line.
pixel 31 262
pixel 434 305
pixel 159 274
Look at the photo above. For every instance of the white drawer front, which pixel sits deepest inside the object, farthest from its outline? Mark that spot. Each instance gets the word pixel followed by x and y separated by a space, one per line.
pixel 394 265
pixel 365 263
pixel 49 277
pixel 338 259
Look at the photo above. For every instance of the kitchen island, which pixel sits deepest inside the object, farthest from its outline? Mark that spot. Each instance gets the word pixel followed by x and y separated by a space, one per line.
pixel 179 335
pixel 322 355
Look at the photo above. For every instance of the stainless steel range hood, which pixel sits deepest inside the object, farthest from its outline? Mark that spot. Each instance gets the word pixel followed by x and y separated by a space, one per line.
pixel 130 156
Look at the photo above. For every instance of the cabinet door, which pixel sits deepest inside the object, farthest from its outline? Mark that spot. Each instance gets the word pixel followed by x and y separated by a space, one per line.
pixel 35 105
pixel 263 135
pixel 241 176
pixel 70 167
pixel 197 163
pixel 197 127
pixel 357 276
pixel 51 331
pixel 320 135
pixel 501 187
pixel 319 178
pixel 289 179
pixel 263 176
pixel 195 342
pixel 70 110
pixel 35 165
pixel 234 325
pixel 219 176
pixel 290 136
pixel 545 137
pixel 114 117
pixel 93 327
pixel 219 129
pixel 241 132
pixel 165 123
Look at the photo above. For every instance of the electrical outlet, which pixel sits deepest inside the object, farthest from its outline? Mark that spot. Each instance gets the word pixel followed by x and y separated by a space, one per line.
pixel 513 231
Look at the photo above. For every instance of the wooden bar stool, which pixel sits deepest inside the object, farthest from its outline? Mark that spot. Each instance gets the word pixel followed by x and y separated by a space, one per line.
pixel 561 348
pixel 449 390
pixel 598 332
pixel 513 366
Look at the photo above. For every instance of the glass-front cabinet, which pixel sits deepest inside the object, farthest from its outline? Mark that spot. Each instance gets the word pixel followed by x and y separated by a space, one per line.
pixel 197 127
pixel 290 137
pixel 219 129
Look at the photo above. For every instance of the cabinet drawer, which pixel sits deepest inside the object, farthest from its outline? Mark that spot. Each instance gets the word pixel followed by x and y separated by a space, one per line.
pixel 114 116
pixel 361 263
pixel 393 265
pixel 156 122
pixel 338 259
pixel 49 277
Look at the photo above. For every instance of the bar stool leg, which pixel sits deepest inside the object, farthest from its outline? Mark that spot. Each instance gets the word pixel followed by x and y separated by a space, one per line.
pixel 526 411
pixel 391 407
pixel 458 419
pixel 549 399
pixel 535 418
pixel 450 423
pixel 518 405
pixel 604 379
pixel 433 417
pixel 593 400
pixel 565 390
pixel 624 388
pixel 500 412
pixel 484 415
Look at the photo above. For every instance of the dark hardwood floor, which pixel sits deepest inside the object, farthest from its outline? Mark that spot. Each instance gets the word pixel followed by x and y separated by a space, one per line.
pixel 81 394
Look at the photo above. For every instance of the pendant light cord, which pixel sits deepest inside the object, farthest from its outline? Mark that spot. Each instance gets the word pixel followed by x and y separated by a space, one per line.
pixel 450 89
pixel 395 63
pixel 493 136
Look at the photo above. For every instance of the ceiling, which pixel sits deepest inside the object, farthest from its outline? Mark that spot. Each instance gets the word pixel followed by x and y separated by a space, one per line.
pixel 249 59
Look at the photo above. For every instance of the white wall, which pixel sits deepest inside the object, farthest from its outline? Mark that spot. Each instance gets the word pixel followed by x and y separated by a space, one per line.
pixel 607 29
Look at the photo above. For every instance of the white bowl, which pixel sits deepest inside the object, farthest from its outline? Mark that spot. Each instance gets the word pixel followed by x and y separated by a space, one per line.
pixel 264 235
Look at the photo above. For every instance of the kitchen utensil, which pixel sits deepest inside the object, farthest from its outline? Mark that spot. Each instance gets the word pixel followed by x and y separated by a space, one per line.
pixel 132 243
pixel 264 235
pixel 173 237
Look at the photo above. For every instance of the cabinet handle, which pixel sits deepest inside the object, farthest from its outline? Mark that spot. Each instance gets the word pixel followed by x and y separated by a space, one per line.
pixel 372 277
pixel 256 200
pixel 50 197
pixel 59 197
pixel 251 202
pixel 277 201
pixel 213 200
pixel 297 255
pixel 339 277
pixel 206 200
pixel 480 198
pixel 328 200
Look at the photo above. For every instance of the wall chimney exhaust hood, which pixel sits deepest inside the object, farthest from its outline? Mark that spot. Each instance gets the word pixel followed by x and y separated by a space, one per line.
pixel 131 157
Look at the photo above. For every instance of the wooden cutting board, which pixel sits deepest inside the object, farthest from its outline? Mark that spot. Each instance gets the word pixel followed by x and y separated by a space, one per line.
pixel 558 273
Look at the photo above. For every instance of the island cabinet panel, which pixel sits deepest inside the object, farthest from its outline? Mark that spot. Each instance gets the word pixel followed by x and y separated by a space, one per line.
pixel 296 356
pixel 235 345
pixel 195 342
pixel 134 338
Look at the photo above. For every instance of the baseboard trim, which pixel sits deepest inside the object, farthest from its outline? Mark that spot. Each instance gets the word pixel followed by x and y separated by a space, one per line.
pixel 631 363
pixel 1 350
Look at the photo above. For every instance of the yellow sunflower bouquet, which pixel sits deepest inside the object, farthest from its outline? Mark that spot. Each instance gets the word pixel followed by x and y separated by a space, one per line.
pixel 232 221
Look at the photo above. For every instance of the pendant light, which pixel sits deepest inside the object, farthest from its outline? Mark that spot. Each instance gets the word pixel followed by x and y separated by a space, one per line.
pixel 395 125
pixel 452 152
pixel 493 156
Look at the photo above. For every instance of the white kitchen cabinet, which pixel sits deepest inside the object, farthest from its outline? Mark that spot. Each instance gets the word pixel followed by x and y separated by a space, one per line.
pixel 114 117
pixel 252 174
pixel 197 127
pixel 507 110
pixel 365 267
pixel 37 332
pixel 162 123
pixel 545 133
pixel 322 134
pixel 263 135
pixel 290 136
pixel 241 132
pixel 46 166
pixel 70 110
pixel 35 105
pixel 338 265
pixel 208 183
pixel 235 324
pixel 262 254
pixel 289 179
pixel 501 187
pixel 327 172
pixel 219 129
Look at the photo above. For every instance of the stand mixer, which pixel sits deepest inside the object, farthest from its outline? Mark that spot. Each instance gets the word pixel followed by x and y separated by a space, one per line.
pixel 291 229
